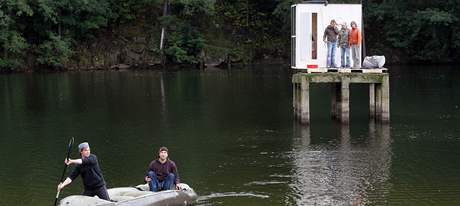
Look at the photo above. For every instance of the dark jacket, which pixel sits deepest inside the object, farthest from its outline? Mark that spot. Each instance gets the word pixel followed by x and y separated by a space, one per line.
pixel 330 33
pixel 162 170
pixel 90 173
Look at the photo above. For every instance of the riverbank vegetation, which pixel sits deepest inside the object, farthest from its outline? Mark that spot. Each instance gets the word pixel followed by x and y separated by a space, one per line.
pixel 92 34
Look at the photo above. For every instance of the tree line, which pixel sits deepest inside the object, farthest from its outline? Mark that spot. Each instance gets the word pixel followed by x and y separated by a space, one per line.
pixel 58 34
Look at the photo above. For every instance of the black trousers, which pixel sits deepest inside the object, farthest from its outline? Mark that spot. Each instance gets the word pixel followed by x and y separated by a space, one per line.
pixel 101 192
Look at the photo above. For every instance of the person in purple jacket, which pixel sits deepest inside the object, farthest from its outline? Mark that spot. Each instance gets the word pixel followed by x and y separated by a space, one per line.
pixel 162 173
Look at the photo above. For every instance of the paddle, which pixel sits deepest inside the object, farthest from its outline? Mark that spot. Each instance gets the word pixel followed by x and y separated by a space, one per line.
pixel 65 167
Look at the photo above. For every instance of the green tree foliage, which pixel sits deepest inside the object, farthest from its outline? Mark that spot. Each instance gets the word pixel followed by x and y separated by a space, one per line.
pixel 255 27
pixel 127 11
pixel 186 23
pixel 414 30
pixel 12 43
pixel 54 52
pixel 46 29
pixel 46 32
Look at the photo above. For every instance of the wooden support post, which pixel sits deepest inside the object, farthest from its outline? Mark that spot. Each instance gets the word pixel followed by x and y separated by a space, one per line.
pixel 371 101
pixel 305 101
pixel 385 100
pixel 345 102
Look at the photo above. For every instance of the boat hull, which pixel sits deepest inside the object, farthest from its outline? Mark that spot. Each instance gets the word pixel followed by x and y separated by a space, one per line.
pixel 135 196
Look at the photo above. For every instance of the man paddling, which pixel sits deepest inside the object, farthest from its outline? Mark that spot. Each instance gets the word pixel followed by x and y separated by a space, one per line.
pixel 88 168
pixel 162 173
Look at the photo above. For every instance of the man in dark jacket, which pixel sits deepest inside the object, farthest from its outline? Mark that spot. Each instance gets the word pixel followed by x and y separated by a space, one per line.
pixel 88 168
pixel 330 38
pixel 162 173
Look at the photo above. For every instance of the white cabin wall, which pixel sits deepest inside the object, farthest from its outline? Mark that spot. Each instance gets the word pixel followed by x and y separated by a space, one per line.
pixel 303 47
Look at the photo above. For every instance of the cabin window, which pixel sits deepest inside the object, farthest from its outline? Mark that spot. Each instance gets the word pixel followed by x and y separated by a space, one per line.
pixel 314 35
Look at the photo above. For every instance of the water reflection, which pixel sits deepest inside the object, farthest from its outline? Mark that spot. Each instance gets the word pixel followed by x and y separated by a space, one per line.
pixel 342 171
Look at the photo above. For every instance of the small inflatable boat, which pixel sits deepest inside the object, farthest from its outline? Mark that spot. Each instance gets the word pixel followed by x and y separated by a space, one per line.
pixel 135 196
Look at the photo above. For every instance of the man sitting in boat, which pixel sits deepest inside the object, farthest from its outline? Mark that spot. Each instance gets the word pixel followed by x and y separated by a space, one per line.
pixel 162 173
pixel 88 168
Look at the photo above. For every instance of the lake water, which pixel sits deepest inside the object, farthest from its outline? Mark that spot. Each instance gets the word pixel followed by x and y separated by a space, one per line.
pixel 233 136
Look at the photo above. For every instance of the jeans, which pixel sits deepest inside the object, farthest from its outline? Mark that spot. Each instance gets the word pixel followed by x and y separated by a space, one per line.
pixel 331 46
pixel 156 185
pixel 345 56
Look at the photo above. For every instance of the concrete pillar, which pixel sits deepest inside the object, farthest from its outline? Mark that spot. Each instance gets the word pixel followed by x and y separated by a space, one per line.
pixel 305 101
pixel 345 102
pixel 385 99
pixel 371 101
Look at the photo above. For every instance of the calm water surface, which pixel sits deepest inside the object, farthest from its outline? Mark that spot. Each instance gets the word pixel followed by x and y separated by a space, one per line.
pixel 233 136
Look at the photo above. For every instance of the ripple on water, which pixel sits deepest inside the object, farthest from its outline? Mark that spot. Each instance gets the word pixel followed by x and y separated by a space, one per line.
pixel 206 198
pixel 265 183
pixel 281 176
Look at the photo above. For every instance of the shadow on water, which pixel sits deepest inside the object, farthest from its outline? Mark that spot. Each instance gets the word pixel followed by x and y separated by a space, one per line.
pixel 347 172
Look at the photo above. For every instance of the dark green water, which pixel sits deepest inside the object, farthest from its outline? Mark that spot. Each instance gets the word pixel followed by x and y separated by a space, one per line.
pixel 233 136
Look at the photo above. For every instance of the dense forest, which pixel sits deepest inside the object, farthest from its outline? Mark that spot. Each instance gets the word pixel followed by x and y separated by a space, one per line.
pixel 88 34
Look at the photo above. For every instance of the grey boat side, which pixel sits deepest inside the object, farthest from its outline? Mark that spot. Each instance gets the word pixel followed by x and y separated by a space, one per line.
pixel 136 196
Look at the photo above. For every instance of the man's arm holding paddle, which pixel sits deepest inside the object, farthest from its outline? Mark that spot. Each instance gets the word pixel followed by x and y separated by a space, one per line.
pixel 68 180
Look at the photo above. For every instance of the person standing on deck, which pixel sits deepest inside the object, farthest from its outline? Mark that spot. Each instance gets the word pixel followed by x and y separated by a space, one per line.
pixel 344 45
pixel 88 168
pixel 355 44
pixel 162 173
pixel 330 38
